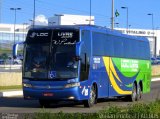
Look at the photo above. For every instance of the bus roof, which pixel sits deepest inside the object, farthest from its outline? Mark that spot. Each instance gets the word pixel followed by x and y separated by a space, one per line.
pixel 92 28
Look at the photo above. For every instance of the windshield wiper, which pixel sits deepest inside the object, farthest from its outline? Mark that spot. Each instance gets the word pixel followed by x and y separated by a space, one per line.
pixel 61 78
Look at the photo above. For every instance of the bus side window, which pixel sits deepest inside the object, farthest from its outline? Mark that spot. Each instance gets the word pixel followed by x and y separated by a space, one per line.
pixel 84 72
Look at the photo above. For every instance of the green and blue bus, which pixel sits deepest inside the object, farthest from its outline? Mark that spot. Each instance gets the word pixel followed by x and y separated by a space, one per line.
pixel 84 63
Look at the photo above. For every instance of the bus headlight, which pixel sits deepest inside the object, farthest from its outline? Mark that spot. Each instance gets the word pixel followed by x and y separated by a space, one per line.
pixel 27 85
pixel 71 85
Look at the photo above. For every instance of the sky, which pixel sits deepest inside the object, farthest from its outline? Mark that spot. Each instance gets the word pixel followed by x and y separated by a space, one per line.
pixel 101 9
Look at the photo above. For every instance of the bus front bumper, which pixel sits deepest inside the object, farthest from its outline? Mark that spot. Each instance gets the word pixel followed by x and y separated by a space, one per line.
pixel 72 94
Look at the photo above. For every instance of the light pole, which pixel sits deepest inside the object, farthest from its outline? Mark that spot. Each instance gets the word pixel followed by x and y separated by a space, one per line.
pixel 127 15
pixel 117 24
pixel 31 22
pixel 90 12
pixel 90 21
pixel 24 24
pixel 151 14
pixel 152 20
pixel 0 10
pixel 15 10
pixel 34 13
pixel 112 18
pixel 59 15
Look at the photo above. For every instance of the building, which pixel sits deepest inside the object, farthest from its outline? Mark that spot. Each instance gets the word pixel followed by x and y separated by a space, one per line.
pixel 7 35
pixel 152 35
pixel 66 19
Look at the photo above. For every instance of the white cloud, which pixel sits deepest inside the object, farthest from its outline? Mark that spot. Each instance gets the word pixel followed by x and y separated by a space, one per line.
pixel 41 20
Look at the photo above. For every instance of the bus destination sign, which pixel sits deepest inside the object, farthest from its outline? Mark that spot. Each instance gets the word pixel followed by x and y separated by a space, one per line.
pixel 65 37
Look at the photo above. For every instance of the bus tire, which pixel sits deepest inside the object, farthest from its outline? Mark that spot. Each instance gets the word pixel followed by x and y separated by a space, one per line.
pixel 92 100
pixel 139 92
pixel 133 96
pixel 44 103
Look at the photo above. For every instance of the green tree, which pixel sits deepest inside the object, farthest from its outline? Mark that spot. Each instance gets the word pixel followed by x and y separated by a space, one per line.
pixel 4 56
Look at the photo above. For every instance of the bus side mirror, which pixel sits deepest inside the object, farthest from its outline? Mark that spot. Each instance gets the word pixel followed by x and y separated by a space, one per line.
pixel 15 46
pixel 15 49
pixel 78 45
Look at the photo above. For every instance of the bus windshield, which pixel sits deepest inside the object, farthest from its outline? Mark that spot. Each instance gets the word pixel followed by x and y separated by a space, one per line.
pixel 36 61
pixel 63 61
pixel 51 57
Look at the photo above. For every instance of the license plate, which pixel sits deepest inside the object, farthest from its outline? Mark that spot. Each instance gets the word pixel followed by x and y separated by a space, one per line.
pixel 48 94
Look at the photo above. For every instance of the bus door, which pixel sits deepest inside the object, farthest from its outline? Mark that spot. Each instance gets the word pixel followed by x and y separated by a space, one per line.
pixel 99 74
pixel 112 77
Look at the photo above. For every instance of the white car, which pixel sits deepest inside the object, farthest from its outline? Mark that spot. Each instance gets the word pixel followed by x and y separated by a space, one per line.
pixel 15 61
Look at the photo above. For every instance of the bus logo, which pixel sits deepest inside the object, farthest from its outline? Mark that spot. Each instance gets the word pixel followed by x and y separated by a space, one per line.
pixel 38 35
pixel 52 74
pixel 65 35
pixel 33 35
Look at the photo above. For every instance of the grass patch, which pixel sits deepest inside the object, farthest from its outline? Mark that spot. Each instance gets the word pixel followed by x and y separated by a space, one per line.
pixel 135 111
pixel 8 51
pixel 10 87
pixel 61 115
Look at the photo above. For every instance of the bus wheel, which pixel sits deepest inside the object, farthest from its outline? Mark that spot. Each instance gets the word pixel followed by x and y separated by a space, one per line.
pixel 92 100
pixel 133 97
pixel 44 103
pixel 139 93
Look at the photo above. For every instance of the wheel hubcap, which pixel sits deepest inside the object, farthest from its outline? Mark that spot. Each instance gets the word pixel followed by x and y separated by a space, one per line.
pixel 134 93
pixel 92 96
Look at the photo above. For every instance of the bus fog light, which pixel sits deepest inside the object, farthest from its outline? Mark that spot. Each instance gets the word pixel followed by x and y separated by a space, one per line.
pixel 72 85
pixel 71 97
pixel 27 85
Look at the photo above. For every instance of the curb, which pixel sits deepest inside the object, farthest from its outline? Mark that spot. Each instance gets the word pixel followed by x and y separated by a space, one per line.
pixel 11 93
pixel 155 79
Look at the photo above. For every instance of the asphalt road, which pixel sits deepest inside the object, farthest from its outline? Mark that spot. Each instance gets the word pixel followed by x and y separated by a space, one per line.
pixel 19 105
